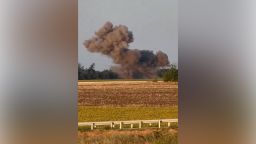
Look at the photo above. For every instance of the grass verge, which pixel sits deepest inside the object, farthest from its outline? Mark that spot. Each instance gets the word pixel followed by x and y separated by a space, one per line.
pixel 109 113
pixel 145 136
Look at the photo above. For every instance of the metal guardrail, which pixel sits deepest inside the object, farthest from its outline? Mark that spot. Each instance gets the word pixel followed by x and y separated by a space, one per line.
pixel 121 124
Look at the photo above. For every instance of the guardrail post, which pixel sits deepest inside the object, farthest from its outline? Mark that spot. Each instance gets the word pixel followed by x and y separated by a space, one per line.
pixel 121 125
pixel 159 124
pixel 131 125
pixel 140 124
pixel 92 126
pixel 169 124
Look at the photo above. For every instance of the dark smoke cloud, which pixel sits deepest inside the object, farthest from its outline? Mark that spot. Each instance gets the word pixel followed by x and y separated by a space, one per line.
pixel 113 41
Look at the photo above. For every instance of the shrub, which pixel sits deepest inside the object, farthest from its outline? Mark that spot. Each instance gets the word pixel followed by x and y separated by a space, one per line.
pixel 171 74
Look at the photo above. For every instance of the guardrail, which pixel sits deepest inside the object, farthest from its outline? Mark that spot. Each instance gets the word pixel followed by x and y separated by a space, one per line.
pixel 121 124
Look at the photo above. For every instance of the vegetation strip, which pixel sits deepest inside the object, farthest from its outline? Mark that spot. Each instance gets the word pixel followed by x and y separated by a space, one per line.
pixel 93 113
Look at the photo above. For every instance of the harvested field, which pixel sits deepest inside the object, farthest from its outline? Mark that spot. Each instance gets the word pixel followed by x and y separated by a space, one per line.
pixel 127 93
pixel 127 100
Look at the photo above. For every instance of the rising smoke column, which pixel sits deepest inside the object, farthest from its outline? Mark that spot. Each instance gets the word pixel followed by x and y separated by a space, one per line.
pixel 113 41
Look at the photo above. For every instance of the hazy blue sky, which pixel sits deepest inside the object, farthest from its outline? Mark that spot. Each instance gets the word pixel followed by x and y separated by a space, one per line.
pixel 153 23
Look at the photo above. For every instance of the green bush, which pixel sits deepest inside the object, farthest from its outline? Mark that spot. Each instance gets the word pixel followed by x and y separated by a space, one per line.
pixel 171 74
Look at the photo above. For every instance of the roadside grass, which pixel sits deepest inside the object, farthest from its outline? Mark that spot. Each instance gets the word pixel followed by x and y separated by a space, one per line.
pixel 142 136
pixel 109 113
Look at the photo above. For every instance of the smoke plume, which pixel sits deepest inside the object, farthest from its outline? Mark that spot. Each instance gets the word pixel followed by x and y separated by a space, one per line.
pixel 113 41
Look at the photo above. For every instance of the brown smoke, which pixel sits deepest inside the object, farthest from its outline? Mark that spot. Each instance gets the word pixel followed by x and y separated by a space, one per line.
pixel 113 41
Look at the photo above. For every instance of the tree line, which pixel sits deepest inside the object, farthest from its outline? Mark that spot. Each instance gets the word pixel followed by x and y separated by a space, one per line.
pixel 167 74
pixel 90 73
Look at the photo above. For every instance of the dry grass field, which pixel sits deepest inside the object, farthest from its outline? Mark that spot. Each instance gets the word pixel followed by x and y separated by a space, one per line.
pixel 127 100
pixel 143 136
pixel 127 93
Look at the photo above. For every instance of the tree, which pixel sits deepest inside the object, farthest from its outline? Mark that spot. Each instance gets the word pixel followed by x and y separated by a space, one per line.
pixel 80 72
pixel 90 73
pixel 171 74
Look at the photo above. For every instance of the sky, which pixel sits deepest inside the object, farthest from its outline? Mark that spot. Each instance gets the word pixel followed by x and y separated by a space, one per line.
pixel 152 22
